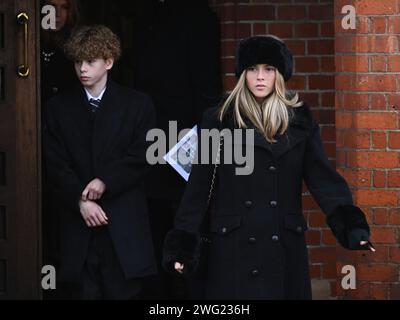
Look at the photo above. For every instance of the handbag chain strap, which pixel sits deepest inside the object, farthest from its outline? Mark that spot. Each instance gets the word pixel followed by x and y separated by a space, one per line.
pixel 215 170
pixel 205 238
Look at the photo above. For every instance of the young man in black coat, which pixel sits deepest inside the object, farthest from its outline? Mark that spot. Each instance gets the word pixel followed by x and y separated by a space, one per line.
pixel 96 145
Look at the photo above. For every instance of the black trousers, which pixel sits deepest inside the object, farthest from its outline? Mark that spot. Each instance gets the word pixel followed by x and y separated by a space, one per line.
pixel 102 276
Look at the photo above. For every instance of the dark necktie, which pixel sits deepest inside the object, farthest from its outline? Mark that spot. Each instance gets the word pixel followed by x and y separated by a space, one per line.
pixel 94 104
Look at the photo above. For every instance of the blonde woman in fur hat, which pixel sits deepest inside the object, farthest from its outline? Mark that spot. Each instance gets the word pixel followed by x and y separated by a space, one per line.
pixel 256 231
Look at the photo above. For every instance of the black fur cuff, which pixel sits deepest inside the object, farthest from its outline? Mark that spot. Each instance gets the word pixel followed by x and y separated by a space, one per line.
pixel 181 246
pixel 343 220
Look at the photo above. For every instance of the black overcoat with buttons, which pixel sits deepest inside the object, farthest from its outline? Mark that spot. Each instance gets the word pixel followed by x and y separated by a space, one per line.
pixel 257 229
pixel 110 145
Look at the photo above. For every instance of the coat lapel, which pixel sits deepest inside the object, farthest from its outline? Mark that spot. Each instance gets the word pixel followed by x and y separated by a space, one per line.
pixel 299 128
pixel 81 111
pixel 107 120
pixel 287 141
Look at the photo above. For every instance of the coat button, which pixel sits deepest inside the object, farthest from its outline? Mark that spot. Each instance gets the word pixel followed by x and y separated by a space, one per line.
pixel 275 238
pixel 272 169
pixel 224 230
pixel 248 204
pixel 255 273
pixel 299 229
pixel 273 204
pixel 252 240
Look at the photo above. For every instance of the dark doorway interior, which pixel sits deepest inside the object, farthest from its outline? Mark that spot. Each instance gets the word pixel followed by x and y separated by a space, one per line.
pixel 171 52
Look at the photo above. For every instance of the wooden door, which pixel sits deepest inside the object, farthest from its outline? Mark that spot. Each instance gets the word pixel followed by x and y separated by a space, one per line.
pixel 19 156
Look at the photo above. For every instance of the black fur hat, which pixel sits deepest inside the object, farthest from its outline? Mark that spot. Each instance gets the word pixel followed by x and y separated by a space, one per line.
pixel 264 49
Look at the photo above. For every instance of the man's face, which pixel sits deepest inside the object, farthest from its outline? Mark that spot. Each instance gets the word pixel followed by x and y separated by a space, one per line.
pixel 92 72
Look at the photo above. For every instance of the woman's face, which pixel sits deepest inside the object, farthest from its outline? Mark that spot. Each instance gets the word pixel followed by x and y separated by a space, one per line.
pixel 260 80
pixel 62 9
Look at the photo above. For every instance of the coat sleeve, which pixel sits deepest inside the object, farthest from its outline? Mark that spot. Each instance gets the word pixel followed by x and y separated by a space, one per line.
pixel 58 164
pixel 331 192
pixel 182 243
pixel 130 170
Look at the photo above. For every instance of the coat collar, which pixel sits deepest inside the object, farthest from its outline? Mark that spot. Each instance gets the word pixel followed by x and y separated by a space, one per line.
pixel 299 128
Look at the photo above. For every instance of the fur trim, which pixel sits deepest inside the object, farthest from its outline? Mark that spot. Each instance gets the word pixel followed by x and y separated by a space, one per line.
pixel 181 246
pixel 302 117
pixel 343 220
pixel 264 49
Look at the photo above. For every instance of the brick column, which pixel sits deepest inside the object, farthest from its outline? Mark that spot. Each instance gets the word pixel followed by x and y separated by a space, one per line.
pixel 368 138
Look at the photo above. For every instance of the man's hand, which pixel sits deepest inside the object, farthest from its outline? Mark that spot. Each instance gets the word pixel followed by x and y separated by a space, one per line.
pixel 94 190
pixel 179 267
pixel 93 214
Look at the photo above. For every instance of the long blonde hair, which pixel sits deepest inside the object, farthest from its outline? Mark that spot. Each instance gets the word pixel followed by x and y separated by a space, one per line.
pixel 271 116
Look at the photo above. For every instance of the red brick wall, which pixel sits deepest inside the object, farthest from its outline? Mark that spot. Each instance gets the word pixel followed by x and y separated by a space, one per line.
pixel 307 28
pixel 368 137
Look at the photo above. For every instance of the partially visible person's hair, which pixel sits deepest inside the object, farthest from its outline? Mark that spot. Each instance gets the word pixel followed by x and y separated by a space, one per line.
pixel 92 42
pixel 271 116
pixel 74 14
pixel 74 19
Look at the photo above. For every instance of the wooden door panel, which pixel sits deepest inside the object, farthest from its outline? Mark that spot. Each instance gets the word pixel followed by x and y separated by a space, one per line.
pixel 19 156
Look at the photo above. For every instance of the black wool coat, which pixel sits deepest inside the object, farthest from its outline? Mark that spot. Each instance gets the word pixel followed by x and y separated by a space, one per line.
pixel 111 147
pixel 51 82
pixel 258 248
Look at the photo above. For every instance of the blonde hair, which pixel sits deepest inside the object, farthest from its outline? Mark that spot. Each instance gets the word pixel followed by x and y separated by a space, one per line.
pixel 271 116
